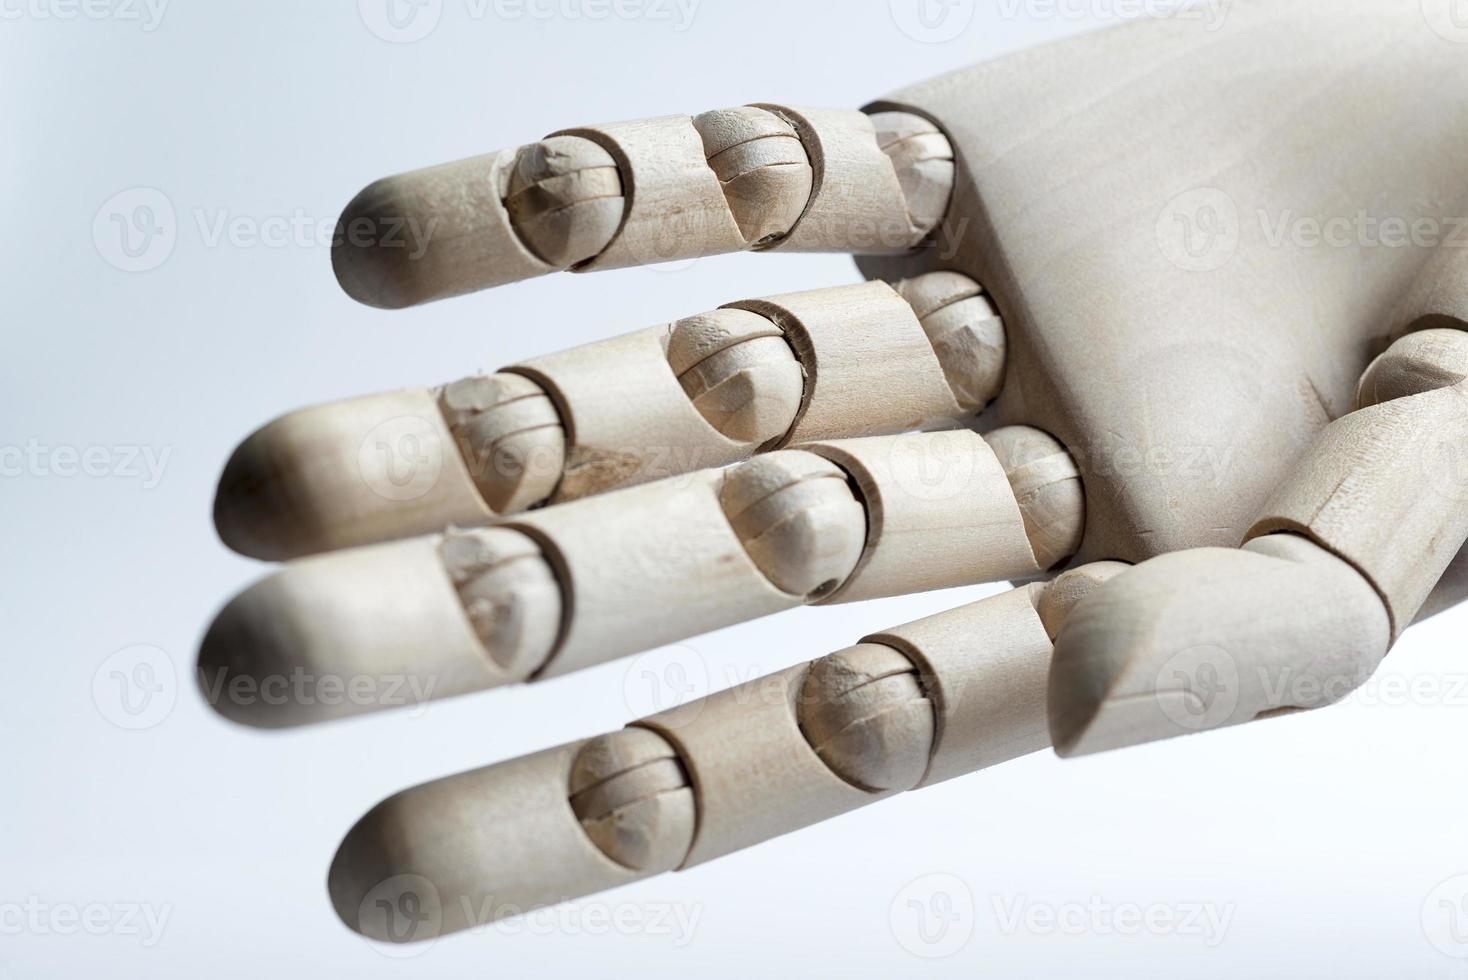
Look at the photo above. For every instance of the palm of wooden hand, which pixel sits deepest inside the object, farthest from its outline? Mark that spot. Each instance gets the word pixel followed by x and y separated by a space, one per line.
pixel 1195 265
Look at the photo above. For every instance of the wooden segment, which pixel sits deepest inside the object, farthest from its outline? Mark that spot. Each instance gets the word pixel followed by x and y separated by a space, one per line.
pixel 565 199
pixel 632 797
pixel 762 167
pixel 1210 637
pixel 1385 488
pixel 754 775
pixel 940 513
pixel 648 566
pixel 510 435
pixel 1047 488
pixel 966 332
pixel 386 621
pixel 1064 592
pixel 627 418
pixel 798 519
pixel 869 365
pixel 984 666
pixel 675 205
pixel 739 372
pixel 509 593
pixel 479 846
pixel 345 474
pixel 923 160
pixel 432 233
pixel 865 713
pixel 856 202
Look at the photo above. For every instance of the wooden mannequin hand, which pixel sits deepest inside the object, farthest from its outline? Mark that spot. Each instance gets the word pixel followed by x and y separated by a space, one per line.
pixel 1101 256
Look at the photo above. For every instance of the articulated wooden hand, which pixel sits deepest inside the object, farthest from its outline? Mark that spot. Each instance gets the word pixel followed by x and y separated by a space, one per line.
pixel 1101 256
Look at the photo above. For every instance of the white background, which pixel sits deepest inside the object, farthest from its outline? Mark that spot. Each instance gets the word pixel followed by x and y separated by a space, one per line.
pixel 1319 838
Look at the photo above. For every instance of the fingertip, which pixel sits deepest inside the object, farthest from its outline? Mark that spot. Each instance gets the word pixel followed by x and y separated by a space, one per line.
pixel 345 474
pixel 369 266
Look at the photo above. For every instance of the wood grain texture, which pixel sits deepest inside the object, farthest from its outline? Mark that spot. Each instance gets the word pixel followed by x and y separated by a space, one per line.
pixel 1187 383
pixel 1386 487
pixel 940 513
pixel 866 357
pixel 985 666
pixel 675 205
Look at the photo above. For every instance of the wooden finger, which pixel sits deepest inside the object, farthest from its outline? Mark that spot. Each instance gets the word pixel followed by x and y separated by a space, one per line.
pixel 577 584
pixel 647 191
pixel 704 391
pixel 915 705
